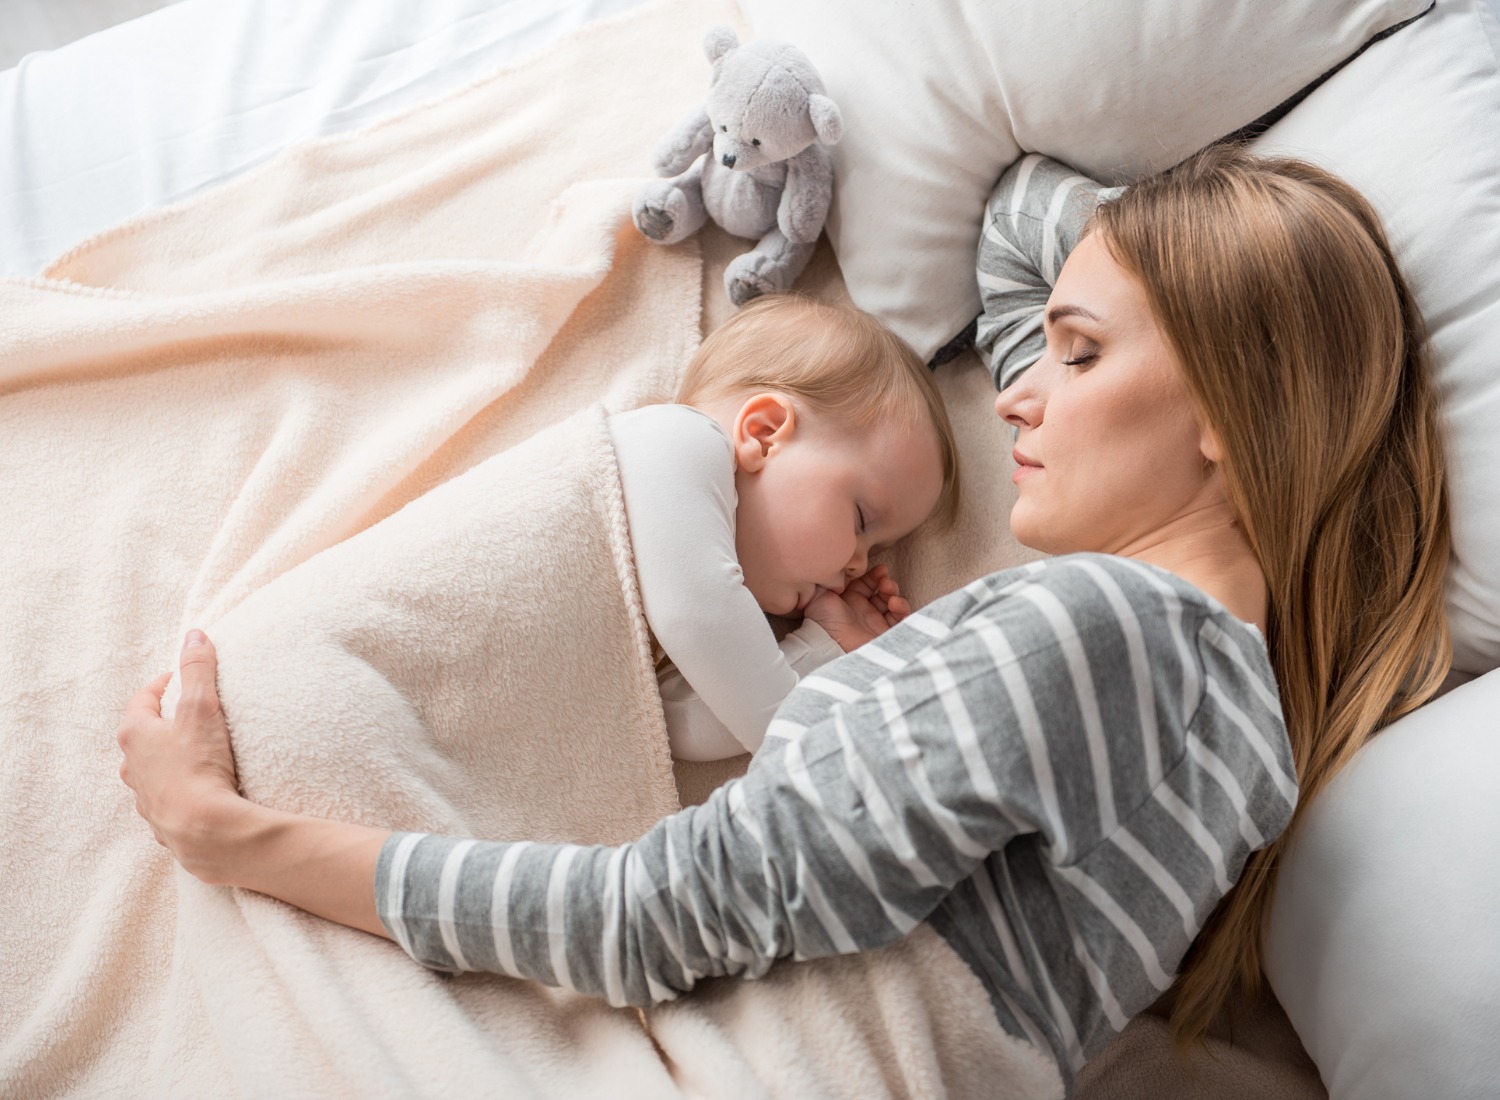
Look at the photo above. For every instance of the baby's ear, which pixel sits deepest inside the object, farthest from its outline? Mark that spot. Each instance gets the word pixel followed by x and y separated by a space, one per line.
pixel 719 41
pixel 827 119
pixel 764 421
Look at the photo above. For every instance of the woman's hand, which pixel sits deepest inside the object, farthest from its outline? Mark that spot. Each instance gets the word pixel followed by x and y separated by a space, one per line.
pixel 868 607
pixel 182 771
pixel 186 788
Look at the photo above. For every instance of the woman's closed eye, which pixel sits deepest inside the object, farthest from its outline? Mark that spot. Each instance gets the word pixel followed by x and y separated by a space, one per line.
pixel 1079 357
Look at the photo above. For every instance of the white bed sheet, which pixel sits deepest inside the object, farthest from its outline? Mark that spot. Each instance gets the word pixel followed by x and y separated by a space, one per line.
pixel 125 120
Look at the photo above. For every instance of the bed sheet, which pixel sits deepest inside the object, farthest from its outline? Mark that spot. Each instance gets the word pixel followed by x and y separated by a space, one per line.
pixel 156 109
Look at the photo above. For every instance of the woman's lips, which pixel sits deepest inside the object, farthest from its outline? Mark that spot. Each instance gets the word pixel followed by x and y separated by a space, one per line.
pixel 1024 465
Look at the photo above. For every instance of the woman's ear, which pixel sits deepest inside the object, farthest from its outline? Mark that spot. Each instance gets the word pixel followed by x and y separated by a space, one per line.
pixel 1211 446
pixel 763 422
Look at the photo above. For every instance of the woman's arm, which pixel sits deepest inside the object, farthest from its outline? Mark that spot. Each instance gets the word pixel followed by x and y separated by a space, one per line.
pixel 325 867
pixel 1032 222
pixel 183 775
pixel 826 849
pixel 1087 709
pixel 1050 725
pixel 830 844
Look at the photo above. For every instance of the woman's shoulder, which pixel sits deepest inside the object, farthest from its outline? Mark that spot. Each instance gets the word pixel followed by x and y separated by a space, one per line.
pixel 1103 603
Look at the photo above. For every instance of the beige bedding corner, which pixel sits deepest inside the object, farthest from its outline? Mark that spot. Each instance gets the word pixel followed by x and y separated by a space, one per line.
pixel 291 410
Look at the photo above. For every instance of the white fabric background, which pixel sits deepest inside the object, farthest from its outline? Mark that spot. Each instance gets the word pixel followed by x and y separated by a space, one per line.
pixel 152 110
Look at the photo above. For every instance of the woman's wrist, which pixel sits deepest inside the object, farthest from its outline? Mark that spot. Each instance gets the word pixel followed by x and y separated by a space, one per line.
pixel 216 836
pixel 325 867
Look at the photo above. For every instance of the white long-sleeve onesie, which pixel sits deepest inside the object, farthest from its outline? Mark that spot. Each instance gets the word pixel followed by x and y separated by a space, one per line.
pixel 727 673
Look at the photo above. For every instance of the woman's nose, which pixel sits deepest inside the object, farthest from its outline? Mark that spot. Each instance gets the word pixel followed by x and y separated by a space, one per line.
pixel 1017 406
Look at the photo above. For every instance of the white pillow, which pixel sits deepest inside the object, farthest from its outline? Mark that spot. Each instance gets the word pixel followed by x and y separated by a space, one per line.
pixel 938 96
pixel 1384 942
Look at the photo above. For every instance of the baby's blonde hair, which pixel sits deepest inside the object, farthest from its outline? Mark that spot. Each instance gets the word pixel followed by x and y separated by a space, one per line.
pixel 840 360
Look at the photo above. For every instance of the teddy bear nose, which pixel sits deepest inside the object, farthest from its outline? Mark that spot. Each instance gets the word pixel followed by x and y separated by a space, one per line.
pixel 728 160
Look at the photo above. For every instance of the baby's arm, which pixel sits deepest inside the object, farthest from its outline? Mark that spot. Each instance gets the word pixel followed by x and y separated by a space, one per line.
pixel 677 471
pixel 836 623
pixel 695 732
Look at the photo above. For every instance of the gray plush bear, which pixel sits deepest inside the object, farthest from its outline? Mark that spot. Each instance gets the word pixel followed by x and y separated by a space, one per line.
pixel 753 158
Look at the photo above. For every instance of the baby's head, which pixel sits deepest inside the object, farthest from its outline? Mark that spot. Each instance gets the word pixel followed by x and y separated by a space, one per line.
pixel 841 442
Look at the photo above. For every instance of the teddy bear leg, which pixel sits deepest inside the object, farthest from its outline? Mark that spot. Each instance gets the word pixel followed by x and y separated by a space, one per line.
pixel 770 267
pixel 668 211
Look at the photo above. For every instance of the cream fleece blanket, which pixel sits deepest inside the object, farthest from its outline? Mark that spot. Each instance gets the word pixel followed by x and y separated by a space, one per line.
pixel 329 411
pixel 476 664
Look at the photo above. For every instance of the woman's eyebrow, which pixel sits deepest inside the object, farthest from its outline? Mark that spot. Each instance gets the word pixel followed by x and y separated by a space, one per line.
pixel 1057 313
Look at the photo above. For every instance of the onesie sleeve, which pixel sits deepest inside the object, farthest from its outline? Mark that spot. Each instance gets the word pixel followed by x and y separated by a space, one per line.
pixel 677 472
pixel 695 732
pixel 1032 222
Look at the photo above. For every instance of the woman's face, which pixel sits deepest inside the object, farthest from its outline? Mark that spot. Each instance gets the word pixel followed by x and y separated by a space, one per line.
pixel 1110 450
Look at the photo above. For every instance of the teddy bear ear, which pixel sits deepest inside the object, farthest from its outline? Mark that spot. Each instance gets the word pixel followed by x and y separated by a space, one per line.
pixel 828 122
pixel 719 41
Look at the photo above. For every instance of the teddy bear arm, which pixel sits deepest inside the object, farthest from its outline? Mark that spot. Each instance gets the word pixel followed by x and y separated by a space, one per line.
pixel 684 143
pixel 806 197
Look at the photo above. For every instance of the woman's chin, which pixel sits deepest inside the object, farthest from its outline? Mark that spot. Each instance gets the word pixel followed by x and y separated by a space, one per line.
pixel 1027 529
pixel 1022 527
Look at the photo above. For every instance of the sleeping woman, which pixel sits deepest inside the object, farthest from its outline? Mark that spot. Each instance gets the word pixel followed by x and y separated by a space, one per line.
pixel 1080 772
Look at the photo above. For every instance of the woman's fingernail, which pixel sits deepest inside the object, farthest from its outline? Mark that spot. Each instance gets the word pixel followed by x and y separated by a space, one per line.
pixel 194 637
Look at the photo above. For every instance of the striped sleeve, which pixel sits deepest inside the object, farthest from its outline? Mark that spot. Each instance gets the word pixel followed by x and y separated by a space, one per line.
pixel 1065 758
pixel 1033 220
pixel 1108 925
pixel 830 844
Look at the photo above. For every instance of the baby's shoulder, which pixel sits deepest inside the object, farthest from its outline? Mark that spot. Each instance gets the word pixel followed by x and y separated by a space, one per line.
pixel 676 433
pixel 665 423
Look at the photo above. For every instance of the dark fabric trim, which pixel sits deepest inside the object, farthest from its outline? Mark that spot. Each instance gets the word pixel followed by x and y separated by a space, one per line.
pixel 955 347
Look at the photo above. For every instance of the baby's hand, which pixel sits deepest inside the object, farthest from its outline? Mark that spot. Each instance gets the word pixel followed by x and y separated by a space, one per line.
pixel 868 607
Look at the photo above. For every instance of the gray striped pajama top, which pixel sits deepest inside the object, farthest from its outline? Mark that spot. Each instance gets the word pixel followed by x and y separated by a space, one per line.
pixel 1061 767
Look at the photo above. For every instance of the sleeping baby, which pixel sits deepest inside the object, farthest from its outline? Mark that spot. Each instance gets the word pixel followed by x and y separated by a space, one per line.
pixel 806 437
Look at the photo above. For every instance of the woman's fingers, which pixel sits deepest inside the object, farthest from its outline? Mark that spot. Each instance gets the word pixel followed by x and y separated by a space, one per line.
pixel 177 769
pixel 200 665
pixel 147 701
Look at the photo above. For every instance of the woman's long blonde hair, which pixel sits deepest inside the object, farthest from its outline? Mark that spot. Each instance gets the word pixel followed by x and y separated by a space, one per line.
pixel 1275 285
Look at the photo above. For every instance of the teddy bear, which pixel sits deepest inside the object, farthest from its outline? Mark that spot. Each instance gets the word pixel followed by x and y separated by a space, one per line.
pixel 754 158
